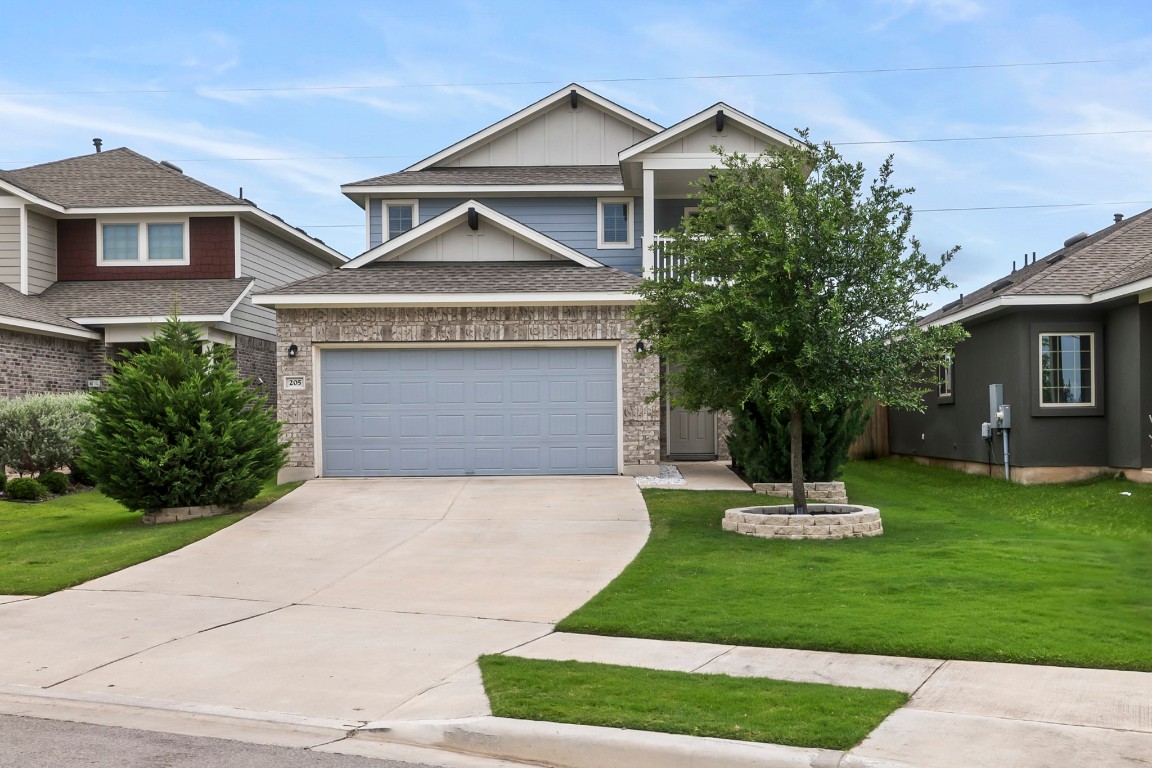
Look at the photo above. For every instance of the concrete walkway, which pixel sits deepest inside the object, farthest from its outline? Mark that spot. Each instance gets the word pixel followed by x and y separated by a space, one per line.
pixel 961 713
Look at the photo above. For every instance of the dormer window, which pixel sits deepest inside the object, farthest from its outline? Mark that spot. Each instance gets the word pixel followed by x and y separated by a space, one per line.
pixel 135 243
pixel 614 223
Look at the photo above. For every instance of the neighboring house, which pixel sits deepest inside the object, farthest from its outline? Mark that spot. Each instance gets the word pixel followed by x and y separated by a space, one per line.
pixel 97 249
pixel 485 329
pixel 1069 337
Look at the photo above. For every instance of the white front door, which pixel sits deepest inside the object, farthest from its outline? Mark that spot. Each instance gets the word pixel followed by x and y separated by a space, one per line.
pixel 691 434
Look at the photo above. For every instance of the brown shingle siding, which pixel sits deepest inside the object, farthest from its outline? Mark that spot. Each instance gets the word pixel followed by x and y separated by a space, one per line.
pixel 211 238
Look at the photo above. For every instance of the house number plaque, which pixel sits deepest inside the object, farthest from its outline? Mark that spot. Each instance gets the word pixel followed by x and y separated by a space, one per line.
pixel 294 382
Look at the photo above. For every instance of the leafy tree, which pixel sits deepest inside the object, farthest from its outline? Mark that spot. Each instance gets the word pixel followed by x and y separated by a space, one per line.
pixel 175 427
pixel 796 289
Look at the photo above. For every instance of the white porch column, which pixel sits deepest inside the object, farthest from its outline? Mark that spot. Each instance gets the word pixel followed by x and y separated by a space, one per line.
pixel 649 221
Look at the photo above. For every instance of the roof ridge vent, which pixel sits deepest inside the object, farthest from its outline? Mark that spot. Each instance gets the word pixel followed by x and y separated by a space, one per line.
pixel 173 166
pixel 1075 239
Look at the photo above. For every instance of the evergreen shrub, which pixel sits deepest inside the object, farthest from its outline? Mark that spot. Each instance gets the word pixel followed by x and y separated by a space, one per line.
pixel 760 443
pixel 174 426
pixel 25 489
pixel 54 482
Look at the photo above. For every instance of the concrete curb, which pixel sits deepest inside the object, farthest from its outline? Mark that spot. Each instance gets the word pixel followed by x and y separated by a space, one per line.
pixel 585 746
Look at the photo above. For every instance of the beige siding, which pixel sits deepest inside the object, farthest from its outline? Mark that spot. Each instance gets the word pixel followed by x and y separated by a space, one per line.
pixel 487 243
pixel 560 136
pixel 10 247
pixel 271 262
pixel 701 140
pixel 41 252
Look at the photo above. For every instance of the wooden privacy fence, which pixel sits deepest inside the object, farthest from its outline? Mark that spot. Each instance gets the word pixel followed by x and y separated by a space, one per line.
pixel 873 444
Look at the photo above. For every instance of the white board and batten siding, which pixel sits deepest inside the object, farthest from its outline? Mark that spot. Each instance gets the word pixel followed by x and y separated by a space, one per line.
pixel 271 262
pixel 9 246
pixel 560 136
pixel 701 141
pixel 41 252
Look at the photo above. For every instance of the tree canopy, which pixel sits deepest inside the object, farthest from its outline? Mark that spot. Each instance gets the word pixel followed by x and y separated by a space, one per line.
pixel 797 287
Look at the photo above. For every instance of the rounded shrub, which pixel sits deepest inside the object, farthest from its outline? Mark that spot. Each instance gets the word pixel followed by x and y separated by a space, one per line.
pixel 25 489
pixel 3 479
pixel 54 482
pixel 79 476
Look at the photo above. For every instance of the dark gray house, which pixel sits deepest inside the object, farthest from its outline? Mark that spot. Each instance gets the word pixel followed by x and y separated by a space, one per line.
pixel 1069 337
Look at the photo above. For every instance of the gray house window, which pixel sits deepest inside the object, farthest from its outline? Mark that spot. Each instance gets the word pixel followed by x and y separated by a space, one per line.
pixel 944 388
pixel 142 242
pixel 399 219
pixel 614 222
pixel 1067 370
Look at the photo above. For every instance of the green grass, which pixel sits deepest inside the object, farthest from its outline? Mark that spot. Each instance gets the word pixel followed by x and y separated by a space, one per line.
pixel 968 568
pixel 750 709
pixel 71 539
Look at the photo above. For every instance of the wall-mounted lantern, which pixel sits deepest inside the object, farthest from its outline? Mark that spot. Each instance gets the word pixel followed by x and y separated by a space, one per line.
pixel 293 350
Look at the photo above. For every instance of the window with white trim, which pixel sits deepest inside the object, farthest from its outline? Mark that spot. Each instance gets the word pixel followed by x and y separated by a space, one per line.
pixel 399 217
pixel 614 223
pixel 1067 370
pixel 944 389
pixel 133 243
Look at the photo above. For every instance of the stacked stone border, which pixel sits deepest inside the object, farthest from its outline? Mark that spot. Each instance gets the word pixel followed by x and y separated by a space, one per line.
pixel 176 514
pixel 825 521
pixel 827 493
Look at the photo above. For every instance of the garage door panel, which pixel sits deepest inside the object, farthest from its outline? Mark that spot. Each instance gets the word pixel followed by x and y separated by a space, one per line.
pixel 469 411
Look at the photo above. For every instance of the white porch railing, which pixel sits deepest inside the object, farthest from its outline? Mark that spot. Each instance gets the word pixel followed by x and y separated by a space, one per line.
pixel 659 264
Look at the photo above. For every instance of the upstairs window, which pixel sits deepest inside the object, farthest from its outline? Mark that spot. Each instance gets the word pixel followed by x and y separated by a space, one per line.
pixel 136 243
pixel 614 223
pixel 1067 370
pixel 399 217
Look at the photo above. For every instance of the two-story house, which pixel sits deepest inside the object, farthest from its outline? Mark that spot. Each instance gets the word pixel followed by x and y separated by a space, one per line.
pixel 485 329
pixel 96 250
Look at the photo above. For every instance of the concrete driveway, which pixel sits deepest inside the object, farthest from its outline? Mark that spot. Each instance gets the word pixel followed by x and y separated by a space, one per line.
pixel 356 599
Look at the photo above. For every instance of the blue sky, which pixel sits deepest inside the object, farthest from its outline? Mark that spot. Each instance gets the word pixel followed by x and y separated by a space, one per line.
pixel 340 91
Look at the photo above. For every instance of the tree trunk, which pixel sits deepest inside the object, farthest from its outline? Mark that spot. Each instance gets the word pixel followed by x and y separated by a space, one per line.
pixel 797 433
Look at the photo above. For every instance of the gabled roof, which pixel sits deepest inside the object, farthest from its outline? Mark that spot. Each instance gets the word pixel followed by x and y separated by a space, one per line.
pixel 30 313
pixel 486 277
pixel 122 180
pixel 498 175
pixel 684 127
pixel 1112 263
pixel 453 217
pixel 529 113
pixel 118 178
pixel 103 302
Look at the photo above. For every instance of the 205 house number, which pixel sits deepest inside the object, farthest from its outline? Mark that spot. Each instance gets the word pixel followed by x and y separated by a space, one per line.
pixel 294 382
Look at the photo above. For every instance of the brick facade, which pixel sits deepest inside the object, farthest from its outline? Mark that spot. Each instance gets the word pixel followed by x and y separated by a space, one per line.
pixel 256 359
pixel 305 327
pixel 34 364
pixel 212 242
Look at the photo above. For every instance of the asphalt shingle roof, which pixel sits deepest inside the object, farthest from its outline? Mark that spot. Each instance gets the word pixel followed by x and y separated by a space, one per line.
pixel 143 298
pixel 532 174
pixel 1113 257
pixel 117 178
pixel 465 277
pixel 32 308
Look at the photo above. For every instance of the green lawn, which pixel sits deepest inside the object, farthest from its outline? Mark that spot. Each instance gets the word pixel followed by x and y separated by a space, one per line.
pixel 751 709
pixel 968 568
pixel 71 539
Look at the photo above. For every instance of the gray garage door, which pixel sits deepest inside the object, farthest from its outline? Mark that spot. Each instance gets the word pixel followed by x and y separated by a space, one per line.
pixel 501 411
